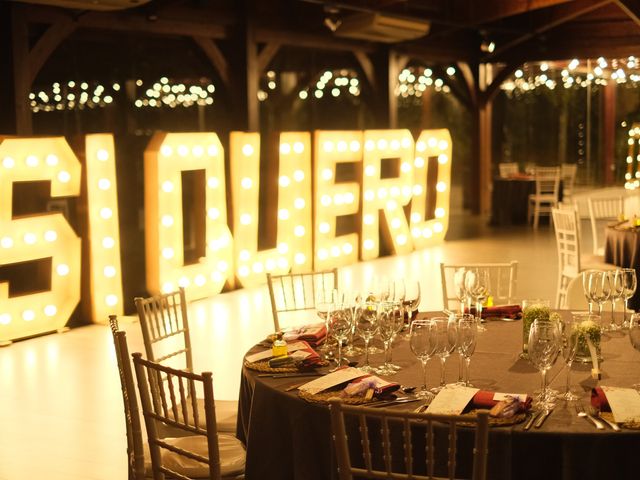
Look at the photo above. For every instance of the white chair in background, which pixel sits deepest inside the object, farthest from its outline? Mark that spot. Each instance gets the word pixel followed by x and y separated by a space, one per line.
pixel 503 277
pixel 603 210
pixel 508 169
pixel 568 173
pixel 546 196
pixel 570 262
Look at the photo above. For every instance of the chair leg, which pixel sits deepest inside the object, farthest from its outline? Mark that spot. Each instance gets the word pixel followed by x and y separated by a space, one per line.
pixel 536 216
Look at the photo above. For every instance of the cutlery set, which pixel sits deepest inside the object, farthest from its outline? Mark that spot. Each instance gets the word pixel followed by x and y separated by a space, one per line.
pixel 593 415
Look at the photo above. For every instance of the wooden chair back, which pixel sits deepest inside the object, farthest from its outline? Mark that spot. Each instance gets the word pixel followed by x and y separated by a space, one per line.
pixel 135 449
pixel 165 329
pixel 565 223
pixel 508 169
pixel 296 292
pixel 380 433
pixel 547 182
pixel 503 277
pixel 601 211
pixel 165 394
pixel 568 173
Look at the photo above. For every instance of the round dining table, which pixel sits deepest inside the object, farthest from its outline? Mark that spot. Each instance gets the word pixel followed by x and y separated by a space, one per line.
pixel 622 248
pixel 510 199
pixel 290 438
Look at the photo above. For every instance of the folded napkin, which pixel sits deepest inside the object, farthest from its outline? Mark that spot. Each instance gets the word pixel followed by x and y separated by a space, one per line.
pixel 485 399
pixel 311 357
pixel 599 400
pixel 313 334
pixel 359 386
pixel 502 311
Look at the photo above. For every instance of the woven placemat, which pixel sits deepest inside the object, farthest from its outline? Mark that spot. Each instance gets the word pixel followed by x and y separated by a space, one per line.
pixel 324 397
pixel 627 425
pixel 263 366
pixel 495 421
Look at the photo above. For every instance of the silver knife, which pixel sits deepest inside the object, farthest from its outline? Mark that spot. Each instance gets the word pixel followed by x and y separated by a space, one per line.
pixel 546 412
pixel 384 403
pixel 532 419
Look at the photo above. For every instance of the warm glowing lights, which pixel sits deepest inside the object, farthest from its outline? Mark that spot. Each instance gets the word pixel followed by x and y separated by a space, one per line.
pixel 106 213
pixel 50 236
pixel 108 242
pixel 8 162
pixel 6 242
pixel 62 270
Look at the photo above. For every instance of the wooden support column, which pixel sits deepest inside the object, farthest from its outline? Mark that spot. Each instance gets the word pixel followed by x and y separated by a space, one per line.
pixel 21 84
pixel 609 133
pixel 7 95
pixel 244 75
pixel 485 109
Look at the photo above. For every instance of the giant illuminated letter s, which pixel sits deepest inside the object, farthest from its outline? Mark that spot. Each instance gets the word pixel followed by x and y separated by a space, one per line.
pixel 38 237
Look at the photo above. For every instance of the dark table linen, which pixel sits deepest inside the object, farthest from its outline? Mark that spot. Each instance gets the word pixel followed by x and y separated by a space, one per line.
pixel 510 200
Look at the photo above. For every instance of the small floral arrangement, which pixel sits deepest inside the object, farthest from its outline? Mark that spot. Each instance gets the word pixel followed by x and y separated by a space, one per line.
pixel 587 329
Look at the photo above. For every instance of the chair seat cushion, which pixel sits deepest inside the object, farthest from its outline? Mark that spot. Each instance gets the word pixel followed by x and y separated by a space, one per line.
pixel 232 456
pixel 226 414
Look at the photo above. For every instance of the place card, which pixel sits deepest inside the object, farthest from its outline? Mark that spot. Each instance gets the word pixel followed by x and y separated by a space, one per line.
pixel 499 396
pixel 624 403
pixel 332 379
pixel 452 400
pixel 267 354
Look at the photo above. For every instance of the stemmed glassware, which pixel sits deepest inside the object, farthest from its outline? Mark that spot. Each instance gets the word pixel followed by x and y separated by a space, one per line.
pixel 367 326
pixel 446 332
pixel 569 344
pixel 423 342
pixel 599 288
pixel 617 290
pixel 629 282
pixel 476 284
pixel 461 292
pixel 390 316
pixel 467 337
pixel 543 349
pixel 411 297
pixel 351 299
pixel 586 289
pixel 340 320
pixel 634 337
pixel 323 301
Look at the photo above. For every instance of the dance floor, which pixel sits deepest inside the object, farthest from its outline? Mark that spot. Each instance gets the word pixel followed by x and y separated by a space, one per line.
pixel 61 414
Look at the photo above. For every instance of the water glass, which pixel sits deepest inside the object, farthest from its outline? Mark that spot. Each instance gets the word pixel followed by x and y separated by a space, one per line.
pixel 630 283
pixel 599 288
pixel 446 332
pixel 390 321
pixel 340 320
pixel 367 326
pixel 467 337
pixel 423 342
pixel 411 298
pixel 544 346
pixel 617 291
pixel 569 343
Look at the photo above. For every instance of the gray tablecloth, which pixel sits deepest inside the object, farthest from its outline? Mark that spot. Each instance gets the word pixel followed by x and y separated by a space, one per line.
pixel 288 438
pixel 622 248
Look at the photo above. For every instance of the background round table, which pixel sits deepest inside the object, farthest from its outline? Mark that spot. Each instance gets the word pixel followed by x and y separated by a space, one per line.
pixel 622 248
pixel 289 438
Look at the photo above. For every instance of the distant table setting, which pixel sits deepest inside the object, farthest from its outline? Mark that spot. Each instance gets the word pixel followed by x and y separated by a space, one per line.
pixel 622 248
pixel 510 363
pixel 510 199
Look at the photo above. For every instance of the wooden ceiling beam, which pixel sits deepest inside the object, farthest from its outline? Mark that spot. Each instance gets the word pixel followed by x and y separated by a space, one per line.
pixel 266 55
pixel 493 10
pixel 560 15
pixel 216 57
pixel 308 40
pixel 631 8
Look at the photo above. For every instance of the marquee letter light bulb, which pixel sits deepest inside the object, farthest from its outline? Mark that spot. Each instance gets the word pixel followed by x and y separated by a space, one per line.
pixel 105 268
pixel 38 236
pixel 428 228
pixel 333 199
pixel 388 195
pixel 166 157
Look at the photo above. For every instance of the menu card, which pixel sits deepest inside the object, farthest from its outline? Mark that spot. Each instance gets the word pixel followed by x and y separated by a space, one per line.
pixel 624 403
pixel 266 354
pixel 452 400
pixel 332 379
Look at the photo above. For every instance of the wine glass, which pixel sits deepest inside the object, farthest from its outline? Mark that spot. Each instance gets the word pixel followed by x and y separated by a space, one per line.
pixel 340 319
pixel 467 337
pixel 569 344
pixel 389 317
pixel 599 288
pixel 458 285
pixel 476 284
pixel 324 298
pixel 543 349
pixel 617 290
pixel 422 341
pixel 446 333
pixel 586 280
pixel 367 326
pixel 411 297
pixel 634 336
pixel 630 283
pixel 351 299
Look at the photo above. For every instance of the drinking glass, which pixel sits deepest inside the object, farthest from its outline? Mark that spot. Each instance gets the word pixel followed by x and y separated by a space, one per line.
pixel 367 326
pixel 544 346
pixel 476 284
pixel 569 344
pixel 630 283
pixel 389 318
pixel 324 300
pixel 586 280
pixel 617 290
pixel 599 288
pixel 467 336
pixel 446 332
pixel 379 289
pixel 411 297
pixel 340 320
pixel 634 337
pixel 422 340
pixel 458 285
pixel 351 299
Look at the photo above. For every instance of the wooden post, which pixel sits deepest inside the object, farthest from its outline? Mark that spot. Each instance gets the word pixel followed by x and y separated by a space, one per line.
pixel 21 83
pixel 485 108
pixel 609 133
pixel 7 94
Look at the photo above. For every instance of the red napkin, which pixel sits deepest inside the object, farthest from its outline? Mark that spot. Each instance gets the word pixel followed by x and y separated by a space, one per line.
pixel 484 399
pixel 312 334
pixel 313 358
pixel 599 400
pixel 503 311
pixel 381 387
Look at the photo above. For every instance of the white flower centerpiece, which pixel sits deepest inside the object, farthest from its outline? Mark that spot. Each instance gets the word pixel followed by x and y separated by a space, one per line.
pixel 588 332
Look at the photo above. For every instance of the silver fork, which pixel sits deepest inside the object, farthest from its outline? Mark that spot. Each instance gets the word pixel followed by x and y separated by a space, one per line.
pixel 581 413
pixel 596 413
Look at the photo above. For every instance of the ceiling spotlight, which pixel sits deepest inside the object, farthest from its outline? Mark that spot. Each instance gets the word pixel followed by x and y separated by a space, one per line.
pixel 332 24
pixel 487 46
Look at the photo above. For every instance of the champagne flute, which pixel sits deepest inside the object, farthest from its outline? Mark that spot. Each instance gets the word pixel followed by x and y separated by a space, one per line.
pixel 617 290
pixel 630 283
pixel 389 317
pixel 569 344
pixel 586 281
pixel 543 349
pixel 367 326
pixel 340 319
pixel 467 337
pixel 446 332
pixel 423 343
pixel 634 337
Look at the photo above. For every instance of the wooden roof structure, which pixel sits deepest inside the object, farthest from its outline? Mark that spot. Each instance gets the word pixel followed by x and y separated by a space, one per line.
pixel 488 40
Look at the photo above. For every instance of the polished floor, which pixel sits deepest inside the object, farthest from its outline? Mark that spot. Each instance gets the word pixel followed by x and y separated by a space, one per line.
pixel 61 414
